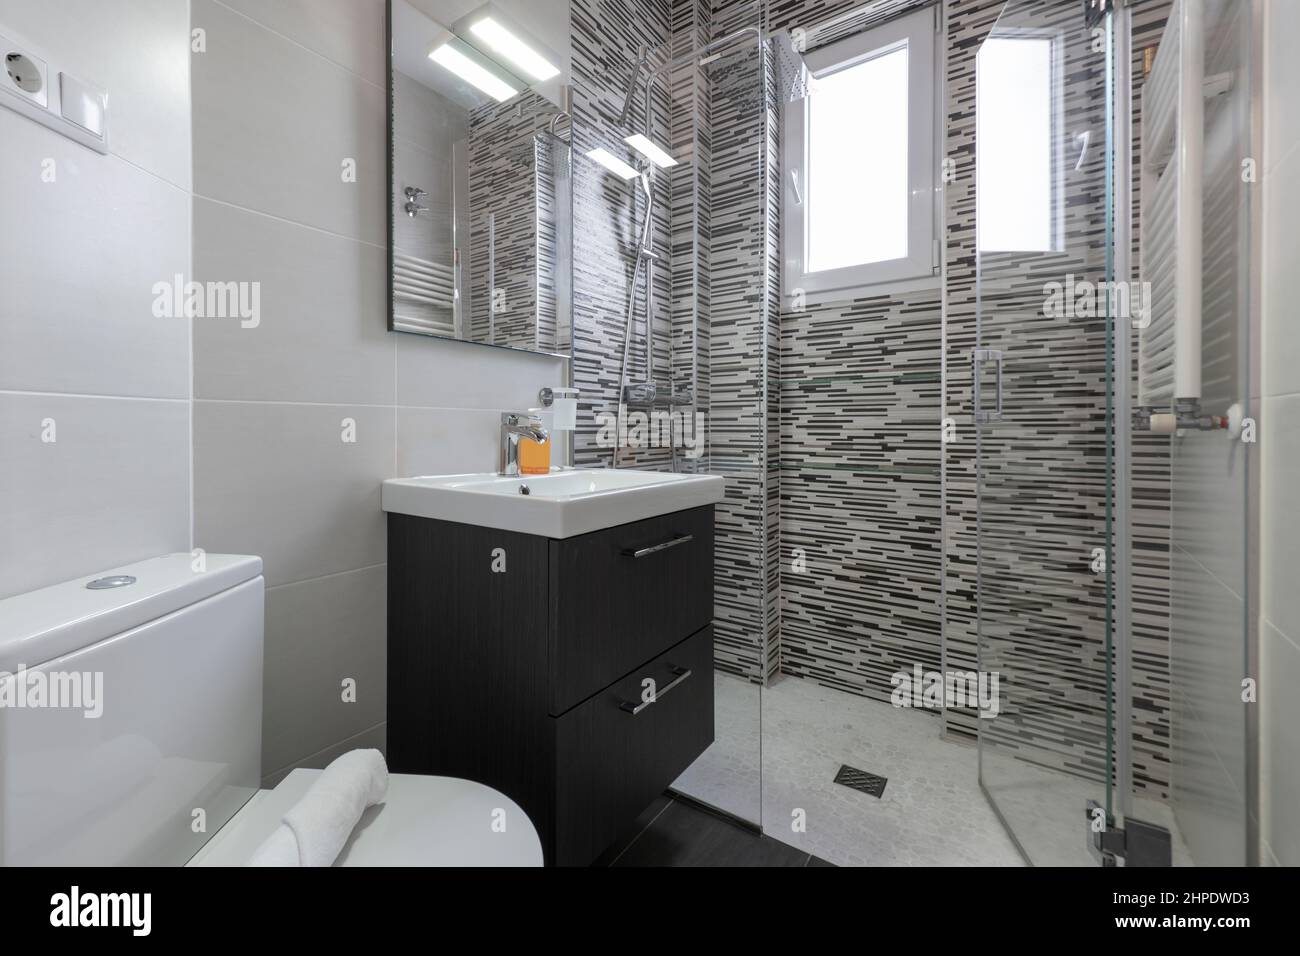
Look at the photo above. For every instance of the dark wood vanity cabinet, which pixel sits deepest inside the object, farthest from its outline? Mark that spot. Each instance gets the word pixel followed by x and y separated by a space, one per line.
pixel 524 663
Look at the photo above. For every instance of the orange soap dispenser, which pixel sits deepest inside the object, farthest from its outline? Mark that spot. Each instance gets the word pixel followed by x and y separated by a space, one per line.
pixel 534 456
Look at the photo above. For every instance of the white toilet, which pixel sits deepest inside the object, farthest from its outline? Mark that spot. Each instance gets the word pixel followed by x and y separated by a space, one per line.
pixel 153 754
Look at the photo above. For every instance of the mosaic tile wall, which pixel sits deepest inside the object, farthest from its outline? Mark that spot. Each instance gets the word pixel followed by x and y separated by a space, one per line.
pixel 691 183
pixel 607 37
pixel 859 459
pixel 712 330
pixel 742 350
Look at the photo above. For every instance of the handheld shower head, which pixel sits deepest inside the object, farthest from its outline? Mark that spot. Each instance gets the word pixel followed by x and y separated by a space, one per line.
pixel 631 88
pixel 646 249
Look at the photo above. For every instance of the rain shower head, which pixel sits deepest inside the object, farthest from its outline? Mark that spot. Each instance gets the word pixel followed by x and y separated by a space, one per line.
pixel 794 79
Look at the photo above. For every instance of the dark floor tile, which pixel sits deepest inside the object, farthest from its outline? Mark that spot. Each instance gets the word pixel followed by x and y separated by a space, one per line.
pixel 686 836
pixel 643 820
pixel 818 861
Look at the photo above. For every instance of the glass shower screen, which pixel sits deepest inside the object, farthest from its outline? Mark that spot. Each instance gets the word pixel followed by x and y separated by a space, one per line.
pixel 1041 381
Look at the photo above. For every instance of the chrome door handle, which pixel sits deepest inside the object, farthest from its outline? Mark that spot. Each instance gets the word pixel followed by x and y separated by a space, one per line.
pixel 680 674
pixel 978 358
pixel 656 548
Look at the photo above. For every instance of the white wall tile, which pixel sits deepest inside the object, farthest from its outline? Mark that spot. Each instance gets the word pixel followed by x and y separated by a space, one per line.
pixel 1206 657
pixel 349 32
pixel 1280 445
pixel 1280 513
pixel 446 441
pixel 1210 810
pixel 319 633
pixel 1209 503
pixel 446 373
pixel 111 489
pixel 424 237
pixel 1281 275
pixel 1281 82
pixel 277 480
pixel 139 50
pixel 79 258
pixel 1208 730
pixel 272 124
pixel 322 334
pixel 1280 745
pixel 277 124
pixel 374 738
pixel 426 120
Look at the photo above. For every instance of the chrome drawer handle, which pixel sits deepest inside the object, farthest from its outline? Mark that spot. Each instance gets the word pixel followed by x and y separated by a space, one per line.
pixel 662 546
pixel 680 674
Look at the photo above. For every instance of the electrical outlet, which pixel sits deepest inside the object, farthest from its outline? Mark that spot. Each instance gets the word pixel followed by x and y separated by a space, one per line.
pixel 26 74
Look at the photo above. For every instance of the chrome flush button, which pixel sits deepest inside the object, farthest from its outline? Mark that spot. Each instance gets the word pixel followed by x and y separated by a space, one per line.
pixel 112 581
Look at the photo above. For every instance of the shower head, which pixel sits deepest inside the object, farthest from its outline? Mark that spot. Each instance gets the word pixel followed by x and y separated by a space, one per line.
pixel 794 79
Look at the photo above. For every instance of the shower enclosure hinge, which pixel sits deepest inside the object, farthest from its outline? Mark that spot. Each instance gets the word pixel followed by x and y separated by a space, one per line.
pixel 1136 843
pixel 934 254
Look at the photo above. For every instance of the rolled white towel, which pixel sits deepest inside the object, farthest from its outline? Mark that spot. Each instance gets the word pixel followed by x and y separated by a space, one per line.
pixel 279 849
pixel 317 827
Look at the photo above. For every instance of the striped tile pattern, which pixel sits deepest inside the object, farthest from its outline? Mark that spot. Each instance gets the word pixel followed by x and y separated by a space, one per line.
pixel 709 326
pixel 740 420
pixel 860 489
pixel 607 36
pixel 859 457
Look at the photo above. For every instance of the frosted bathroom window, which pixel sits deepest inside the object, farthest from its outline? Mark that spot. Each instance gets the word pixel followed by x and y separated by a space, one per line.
pixel 1016 173
pixel 858 167
pixel 857 164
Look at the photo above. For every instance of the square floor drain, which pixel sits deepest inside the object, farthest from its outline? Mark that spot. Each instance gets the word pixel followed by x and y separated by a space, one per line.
pixel 868 783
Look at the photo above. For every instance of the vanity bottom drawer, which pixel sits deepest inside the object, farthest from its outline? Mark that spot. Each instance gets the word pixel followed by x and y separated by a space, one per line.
pixel 617 751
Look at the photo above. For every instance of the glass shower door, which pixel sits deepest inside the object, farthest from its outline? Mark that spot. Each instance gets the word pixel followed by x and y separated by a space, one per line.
pixel 1041 379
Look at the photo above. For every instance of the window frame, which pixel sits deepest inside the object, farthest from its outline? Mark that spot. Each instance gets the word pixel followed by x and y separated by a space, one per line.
pixel 920 267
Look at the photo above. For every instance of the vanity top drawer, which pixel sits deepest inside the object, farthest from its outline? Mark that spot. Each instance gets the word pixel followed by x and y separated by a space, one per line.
pixel 619 750
pixel 622 595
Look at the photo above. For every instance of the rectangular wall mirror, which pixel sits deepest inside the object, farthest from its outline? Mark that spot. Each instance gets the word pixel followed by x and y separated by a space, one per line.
pixel 480 207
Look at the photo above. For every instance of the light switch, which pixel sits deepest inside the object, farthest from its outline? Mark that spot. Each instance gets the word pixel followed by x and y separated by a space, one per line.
pixel 83 104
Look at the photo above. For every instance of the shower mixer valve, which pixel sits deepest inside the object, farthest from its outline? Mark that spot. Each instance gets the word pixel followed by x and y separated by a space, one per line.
pixel 650 395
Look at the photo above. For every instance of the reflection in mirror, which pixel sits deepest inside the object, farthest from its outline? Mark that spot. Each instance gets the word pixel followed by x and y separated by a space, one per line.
pixel 480 197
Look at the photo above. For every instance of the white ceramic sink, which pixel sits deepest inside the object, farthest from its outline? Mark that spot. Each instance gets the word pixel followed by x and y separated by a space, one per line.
pixel 559 505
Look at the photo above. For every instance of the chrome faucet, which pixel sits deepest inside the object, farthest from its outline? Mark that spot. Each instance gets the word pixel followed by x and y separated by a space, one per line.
pixel 514 426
